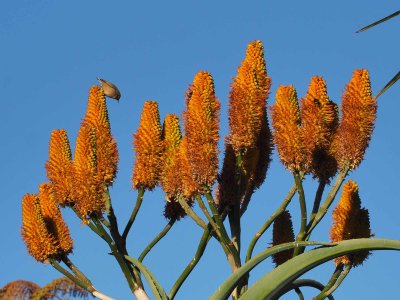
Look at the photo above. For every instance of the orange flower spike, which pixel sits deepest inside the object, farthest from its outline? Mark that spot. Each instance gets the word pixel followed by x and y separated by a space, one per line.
pixel 88 192
pixel 202 126
pixel 39 242
pixel 288 135
pixel 107 152
pixel 319 118
pixel 59 166
pixel 350 221
pixel 357 122
pixel 282 233
pixel 149 148
pixel 51 214
pixel 188 185
pixel 247 100
pixel 170 179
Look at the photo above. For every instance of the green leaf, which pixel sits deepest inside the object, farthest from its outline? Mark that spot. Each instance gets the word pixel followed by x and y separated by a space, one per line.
pixel 273 282
pixel 227 287
pixel 155 286
pixel 380 21
pixel 389 84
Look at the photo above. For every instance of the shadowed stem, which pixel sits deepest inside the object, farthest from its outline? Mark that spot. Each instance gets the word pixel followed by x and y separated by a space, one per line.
pixel 268 223
pixel 317 200
pixel 303 209
pixel 338 276
pixel 156 239
pixel 234 214
pixel 139 201
pixel 328 201
pixel 299 293
pixel 304 283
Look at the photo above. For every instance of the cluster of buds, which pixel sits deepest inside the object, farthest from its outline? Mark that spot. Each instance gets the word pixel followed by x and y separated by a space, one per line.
pixel 309 136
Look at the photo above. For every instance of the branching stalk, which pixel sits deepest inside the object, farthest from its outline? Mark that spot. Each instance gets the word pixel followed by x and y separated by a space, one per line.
pixel 139 201
pixel 303 209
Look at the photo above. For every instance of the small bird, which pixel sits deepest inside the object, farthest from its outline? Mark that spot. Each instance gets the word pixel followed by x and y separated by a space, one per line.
pixel 110 90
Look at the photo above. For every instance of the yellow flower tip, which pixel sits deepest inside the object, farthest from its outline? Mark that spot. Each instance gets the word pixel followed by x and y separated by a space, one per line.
pixel 40 243
pixel 319 118
pixel 288 135
pixel 357 122
pixel 97 117
pixel 201 122
pixel 174 211
pixel 59 166
pixel 247 99
pixel 88 191
pixel 149 148
pixel 52 216
pixel 350 221
pixel 282 233
pixel 171 133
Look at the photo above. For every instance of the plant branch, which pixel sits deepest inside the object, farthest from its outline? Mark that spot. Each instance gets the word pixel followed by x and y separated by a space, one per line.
pixel 139 201
pixel 303 209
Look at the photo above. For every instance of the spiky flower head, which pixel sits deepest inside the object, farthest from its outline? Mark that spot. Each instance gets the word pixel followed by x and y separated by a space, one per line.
pixel 107 152
pixel 288 135
pixel 41 244
pixel 282 233
pixel 350 221
pixel 173 210
pixel 18 289
pixel 247 100
pixel 226 193
pixel 88 191
pixel 357 121
pixel 319 119
pixel 201 120
pixel 59 166
pixel 52 216
pixel 148 146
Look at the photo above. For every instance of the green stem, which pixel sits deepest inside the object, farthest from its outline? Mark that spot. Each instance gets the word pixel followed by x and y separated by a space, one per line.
pixel 189 268
pixel 139 201
pixel 302 283
pixel 190 212
pixel 336 284
pixel 317 200
pixel 328 201
pixel 331 282
pixel 75 269
pixel 87 285
pixel 299 293
pixel 234 213
pixel 156 239
pixel 208 216
pixel 268 223
pixel 303 209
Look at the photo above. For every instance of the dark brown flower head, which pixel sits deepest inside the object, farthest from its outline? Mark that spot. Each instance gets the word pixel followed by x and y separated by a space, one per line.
pixel 201 120
pixel 247 100
pixel 226 195
pixel 88 191
pixel 40 243
pixel 350 221
pixel 59 166
pixel 282 233
pixel 288 134
pixel 357 121
pixel 173 210
pixel 319 118
pixel 107 152
pixel 148 146
pixel 18 289
pixel 54 221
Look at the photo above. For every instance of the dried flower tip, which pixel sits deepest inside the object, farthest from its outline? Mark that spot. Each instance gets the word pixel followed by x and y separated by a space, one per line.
pixel 282 233
pixel 174 211
pixel 107 152
pixel 357 122
pixel 59 166
pixel 288 135
pixel 18 289
pixel 350 221
pixel 201 127
pixel 247 100
pixel 40 243
pixel 148 146
pixel 227 180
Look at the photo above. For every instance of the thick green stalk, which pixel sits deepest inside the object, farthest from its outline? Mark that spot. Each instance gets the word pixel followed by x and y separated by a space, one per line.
pixel 317 200
pixel 335 285
pixel 87 285
pixel 328 201
pixel 75 269
pixel 189 268
pixel 156 239
pixel 331 282
pixel 138 203
pixel 269 221
pixel 190 212
pixel 303 210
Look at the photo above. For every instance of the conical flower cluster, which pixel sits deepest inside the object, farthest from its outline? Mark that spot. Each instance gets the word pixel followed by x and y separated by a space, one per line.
pixel 350 221
pixel 282 233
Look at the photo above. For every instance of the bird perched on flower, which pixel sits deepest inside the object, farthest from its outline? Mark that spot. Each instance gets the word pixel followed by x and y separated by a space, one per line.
pixel 110 90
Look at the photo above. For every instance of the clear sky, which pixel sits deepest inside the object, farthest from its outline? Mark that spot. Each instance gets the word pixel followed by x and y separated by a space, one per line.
pixel 52 51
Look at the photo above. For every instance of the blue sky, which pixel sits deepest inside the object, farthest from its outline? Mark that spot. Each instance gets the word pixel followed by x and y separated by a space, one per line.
pixel 52 51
